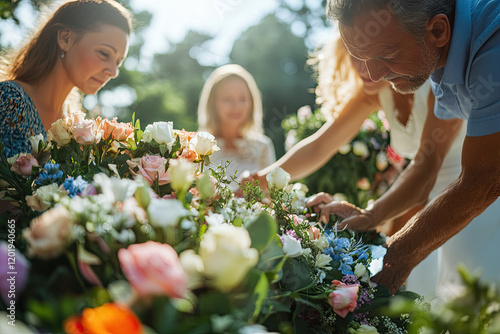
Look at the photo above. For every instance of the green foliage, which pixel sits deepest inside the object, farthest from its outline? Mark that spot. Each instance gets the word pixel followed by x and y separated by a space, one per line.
pixel 475 310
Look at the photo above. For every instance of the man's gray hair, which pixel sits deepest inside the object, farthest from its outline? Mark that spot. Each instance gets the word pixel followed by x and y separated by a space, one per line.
pixel 412 15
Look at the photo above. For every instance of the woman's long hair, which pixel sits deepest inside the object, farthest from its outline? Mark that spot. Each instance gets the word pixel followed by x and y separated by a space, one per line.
pixel 207 114
pixel 337 79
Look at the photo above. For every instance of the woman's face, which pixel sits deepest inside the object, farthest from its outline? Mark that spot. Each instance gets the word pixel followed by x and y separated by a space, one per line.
pixel 233 102
pixel 94 58
pixel 370 87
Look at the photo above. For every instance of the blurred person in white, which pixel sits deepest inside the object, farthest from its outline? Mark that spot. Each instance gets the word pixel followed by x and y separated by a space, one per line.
pixel 230 108
pixel 348 96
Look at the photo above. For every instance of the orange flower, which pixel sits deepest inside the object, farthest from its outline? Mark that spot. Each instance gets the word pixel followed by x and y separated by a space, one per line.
pixel 119 131
pixel 106 319
pixel 189 155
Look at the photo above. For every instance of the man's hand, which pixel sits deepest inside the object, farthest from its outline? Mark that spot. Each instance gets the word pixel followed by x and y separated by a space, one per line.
pixel 394 274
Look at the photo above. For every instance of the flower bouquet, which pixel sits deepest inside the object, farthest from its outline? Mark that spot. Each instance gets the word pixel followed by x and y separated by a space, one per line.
pixel 364 168
pixel 119 230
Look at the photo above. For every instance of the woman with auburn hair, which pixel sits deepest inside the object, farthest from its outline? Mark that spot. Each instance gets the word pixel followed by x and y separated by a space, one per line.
pixel 80 47
pixel 230 108
pixel 348 96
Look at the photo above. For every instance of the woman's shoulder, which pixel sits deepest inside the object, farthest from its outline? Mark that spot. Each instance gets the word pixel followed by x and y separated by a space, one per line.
pixel 13 97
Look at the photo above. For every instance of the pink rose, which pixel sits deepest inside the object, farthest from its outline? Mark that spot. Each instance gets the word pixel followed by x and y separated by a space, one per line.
pixel 86 132
pixel 49 233
pixel 343 298
pixel 151 167
pixel 153 268
pixel 23 164
pixel 118 131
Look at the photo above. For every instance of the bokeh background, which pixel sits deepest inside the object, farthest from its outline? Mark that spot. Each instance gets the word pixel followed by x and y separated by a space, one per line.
pixel 178 43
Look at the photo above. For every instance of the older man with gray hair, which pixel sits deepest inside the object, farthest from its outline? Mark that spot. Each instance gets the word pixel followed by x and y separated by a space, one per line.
pixel 457 44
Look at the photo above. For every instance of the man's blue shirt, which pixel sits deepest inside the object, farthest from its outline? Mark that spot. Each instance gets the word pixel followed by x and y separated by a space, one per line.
pixel 468 87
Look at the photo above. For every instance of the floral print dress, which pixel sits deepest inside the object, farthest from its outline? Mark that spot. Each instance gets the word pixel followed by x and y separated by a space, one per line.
pixel 19 119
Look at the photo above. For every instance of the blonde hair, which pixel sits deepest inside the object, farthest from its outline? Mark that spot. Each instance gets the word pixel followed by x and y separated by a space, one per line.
pixel 337 79
pixel 207 115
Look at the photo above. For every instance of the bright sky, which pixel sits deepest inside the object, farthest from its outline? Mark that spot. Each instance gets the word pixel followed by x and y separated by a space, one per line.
pixel 224 19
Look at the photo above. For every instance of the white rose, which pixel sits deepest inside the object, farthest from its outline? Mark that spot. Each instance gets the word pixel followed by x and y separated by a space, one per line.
pixel 204 143
pixel 366 329
pixel 161 132
pixel 278 178
pixel 35 141
pixel 115 189
pixel 359 270
pixel 193 266
pixel 322 260
pixel 360 149
pixel 291 246
pixel 45 196
pixel 227 256
pixel 166 212
pixel 344 149
pixel 181 175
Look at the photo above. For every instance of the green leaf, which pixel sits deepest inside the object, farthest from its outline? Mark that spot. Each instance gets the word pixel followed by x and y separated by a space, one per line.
pixel 261 229
pixel 205 186
pixel 215 302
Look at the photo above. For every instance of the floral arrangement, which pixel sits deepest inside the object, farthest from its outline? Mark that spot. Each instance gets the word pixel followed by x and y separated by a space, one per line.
pixel 364 168
pixel 119 230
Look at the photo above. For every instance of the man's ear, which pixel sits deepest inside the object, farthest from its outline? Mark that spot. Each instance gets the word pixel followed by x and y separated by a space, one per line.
pixel 438 30
pixel 65 38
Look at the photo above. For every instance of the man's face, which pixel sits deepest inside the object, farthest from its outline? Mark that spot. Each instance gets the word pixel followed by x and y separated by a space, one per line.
pixel 390 53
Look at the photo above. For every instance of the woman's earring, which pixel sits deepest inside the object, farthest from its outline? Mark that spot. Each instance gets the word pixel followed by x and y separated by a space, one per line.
pixel 63 54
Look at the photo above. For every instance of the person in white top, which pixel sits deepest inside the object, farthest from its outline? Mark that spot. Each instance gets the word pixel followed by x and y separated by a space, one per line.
pixel 346 92
pixel 230 108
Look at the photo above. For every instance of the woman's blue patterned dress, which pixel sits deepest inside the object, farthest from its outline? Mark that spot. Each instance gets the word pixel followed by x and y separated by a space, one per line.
pixel 19 119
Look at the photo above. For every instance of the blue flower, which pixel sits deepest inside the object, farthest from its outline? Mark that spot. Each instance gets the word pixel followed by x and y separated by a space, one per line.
pixel 74 187
pixel 51 174
pixel 345 269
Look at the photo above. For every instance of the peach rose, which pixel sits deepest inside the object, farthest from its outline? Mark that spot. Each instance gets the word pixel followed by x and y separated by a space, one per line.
pixel 118 131
pixel 344 298
pixel 151 167
pixel 87 132
pixel 314 233
pixel 49 233
pixel 24 164
pixel 189 155
pixel 153 268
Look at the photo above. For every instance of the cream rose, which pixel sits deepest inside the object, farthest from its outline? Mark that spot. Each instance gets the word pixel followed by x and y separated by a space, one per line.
pixel 60 132
pixel 49 233
pixel 45 196
pixel 35 142
pixel 366 329
pixel 181 173
pixel 227 256
pixel 360 149
pixel 204 144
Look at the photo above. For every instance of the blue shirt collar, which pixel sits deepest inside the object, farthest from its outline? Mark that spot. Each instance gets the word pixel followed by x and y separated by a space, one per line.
pixel 454 70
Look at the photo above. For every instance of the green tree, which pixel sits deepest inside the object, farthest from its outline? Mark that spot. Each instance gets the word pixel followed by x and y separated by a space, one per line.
pixel 277 59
